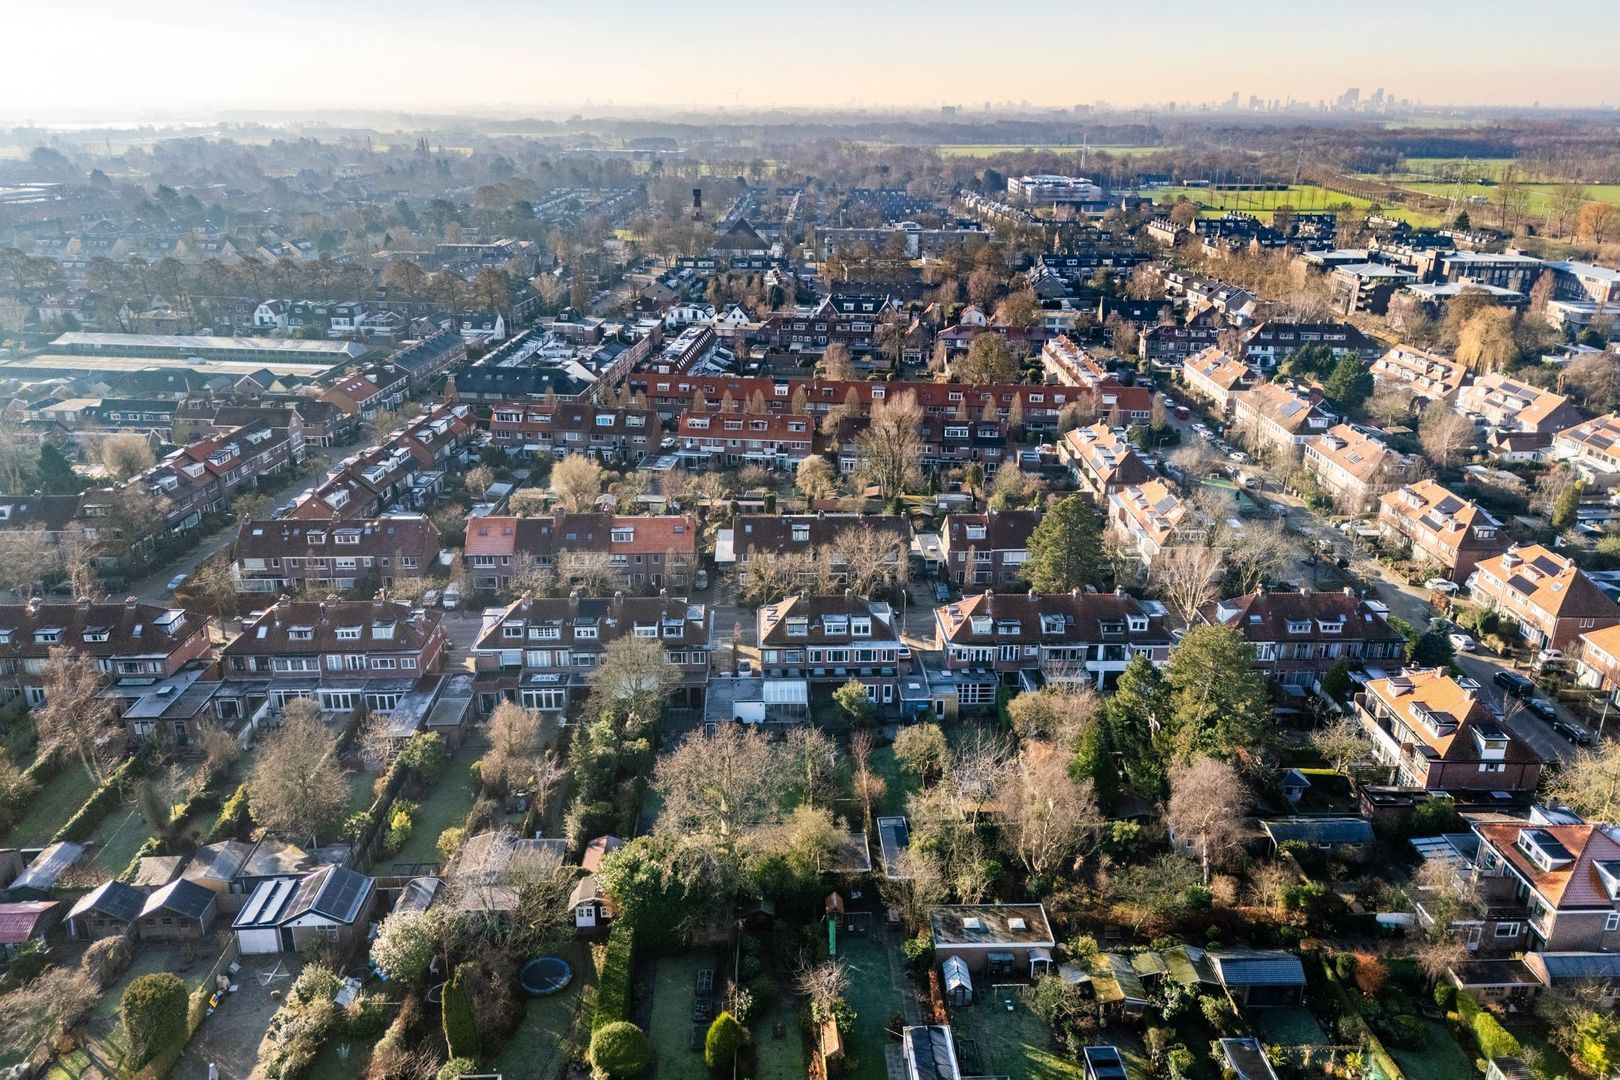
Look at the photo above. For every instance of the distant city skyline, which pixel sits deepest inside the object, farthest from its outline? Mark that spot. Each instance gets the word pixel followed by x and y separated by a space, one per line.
pixel 104 60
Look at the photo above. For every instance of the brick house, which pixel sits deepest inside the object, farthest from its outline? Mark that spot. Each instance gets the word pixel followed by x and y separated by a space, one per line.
pixel 988 549
pixel 1446 529
pixel 1026 640
pixel 533 427
pixel 341 653
pixel 803 534
pixel 812 645
pixel 1148 518
pixel 1215 377
pixel 1102 461
pixel 1272 419
pixel 706 441
pixel 1299 636
pixel 1427 375
pixel 134 645
pixel 278 556
pixel 1354 469
pixel 1438 735
pixel 648 551
pixel 541 651
pixel 1549 888
pixel 1551 599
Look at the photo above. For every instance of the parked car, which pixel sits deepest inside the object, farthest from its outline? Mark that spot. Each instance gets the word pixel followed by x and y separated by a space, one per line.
pixel 1543 708
pixel 1574 733
pixel 452 597
pixel 1461 642
pixel 942 592
pixel 1440 585
pixel 700 580
pixel 1514 683
pixel 1549 658
pixel 430 598
pixel 176 581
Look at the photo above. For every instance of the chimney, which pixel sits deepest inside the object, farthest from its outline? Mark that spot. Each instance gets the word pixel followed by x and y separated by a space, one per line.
pixel 849 594
pixel 34 603
pixel 527 598
pixel 129 602
pixel 663 594
pixel 618 599
pixel 1032 594
pixel 573 602
pixel 84 604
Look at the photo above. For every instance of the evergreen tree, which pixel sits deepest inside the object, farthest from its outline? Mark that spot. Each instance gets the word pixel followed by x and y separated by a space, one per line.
pixel 1218 702
pixel 1350 383
pixel 1064 549
pixel 54 475
pixel 1140 705
pixel 460 1026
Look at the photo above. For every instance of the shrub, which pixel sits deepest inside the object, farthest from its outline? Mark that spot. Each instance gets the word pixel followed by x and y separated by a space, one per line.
pixel 153 1014
pixel 1494 1040
pixel 1371 975
pixel 460 1029
pixel 424 754
pixel 725 1038
pixel 1406 1033
pixel 457 1067
pixel 1445 995
pixel 450 842
pixel 620 1049
pixel 315 983
pixel 368 1016
pixel 106 959
pixel 232 816
pixel 918 951
pixel 1344 965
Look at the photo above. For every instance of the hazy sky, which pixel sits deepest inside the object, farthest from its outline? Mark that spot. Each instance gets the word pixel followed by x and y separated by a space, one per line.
pixel 114 59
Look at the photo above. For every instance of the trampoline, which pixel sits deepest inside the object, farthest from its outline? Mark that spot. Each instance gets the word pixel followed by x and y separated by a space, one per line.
pixel 545 975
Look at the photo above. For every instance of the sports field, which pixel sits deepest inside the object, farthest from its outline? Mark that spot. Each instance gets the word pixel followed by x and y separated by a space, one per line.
pixel 1305 197
pixel 984 150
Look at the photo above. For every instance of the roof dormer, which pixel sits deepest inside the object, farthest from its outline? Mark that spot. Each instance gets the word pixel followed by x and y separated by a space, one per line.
pixel 1544 850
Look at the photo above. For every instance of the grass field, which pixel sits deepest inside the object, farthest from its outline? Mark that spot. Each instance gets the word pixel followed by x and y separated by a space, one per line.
pixel 674 990
pixel 1441 1058
pixel 1540 195
pixel 58 799
pixel 875 996
pixel 448 804
pixel 1304 197
pixel 984 150
pixel 120 835
pixel 540 1047
pixel 1019 1045
pixel 779 1059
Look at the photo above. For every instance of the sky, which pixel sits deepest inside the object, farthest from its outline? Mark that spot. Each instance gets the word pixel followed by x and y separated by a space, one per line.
pixel 112 60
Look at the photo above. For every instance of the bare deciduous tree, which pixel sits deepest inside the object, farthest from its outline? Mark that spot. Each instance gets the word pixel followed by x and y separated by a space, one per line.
pixel 870 559
pixel 1186 576
pixel 577 481
pixel 75 718
pixel 517 740
pixel 815 760
pixel 1059 712
pixel 1047 818
pixel 891 447
pixel 633 679
pixel 296 788
pixel 1446 435
pixel 27 558
pixel 125 454
pixel 717 785
pixel 50 1006
pixel 1205 812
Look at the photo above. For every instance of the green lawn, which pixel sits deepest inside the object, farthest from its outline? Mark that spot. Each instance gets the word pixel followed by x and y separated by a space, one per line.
pixel 58 799
pixel 876 996
pixel 119 836
pixel 1539 196
pixel 674 990
pixel 540 1047
pixel 779 1059
pixel 1441 1058
pixel 1288 1027
pixel 1019 1045
pixel 1302 197
pixel 362 789
pixel 446 806
pixel 984 150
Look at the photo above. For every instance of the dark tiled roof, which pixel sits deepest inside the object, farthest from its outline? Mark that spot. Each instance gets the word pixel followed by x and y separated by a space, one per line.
pixel 815 610
pixel 273 631
pixel 113 899
pixel 776 532
pixel 1050 618
pixel 126 629
pixel 181 896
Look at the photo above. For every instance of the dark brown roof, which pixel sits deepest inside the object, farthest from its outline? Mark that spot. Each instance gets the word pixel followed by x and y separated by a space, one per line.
pixel 1263 616
pixel 816 610
pixel 776 532
pixel 389 535
pixel 282 628
pixel 605 617
pixel 1050 618
pixel 1004 530
pixel 127 629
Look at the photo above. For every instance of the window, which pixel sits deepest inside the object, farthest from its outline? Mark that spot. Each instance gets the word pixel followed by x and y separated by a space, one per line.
pixel 383 663
pixel 348 633
pixel 300 633
pixel 624 536
pixel 1507 930
pixel 798 627
pixel 1611 922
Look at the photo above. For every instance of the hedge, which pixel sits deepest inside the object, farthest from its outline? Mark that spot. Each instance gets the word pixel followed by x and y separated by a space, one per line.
pixel 461 1033
pixel 613 984
pixel 232 815
pixel 1494 1040
pixel 82 824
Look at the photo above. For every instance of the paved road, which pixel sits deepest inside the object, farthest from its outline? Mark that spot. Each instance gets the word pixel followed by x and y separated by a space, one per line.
pixel 153 587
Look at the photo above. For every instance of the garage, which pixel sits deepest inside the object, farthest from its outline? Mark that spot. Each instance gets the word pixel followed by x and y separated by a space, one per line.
pixel 258 924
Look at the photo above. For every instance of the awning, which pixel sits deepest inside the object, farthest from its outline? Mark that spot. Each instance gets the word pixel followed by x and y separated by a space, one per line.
pixel 786 692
